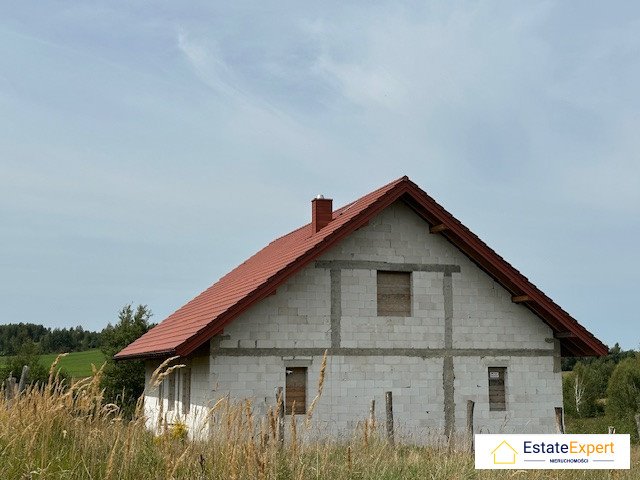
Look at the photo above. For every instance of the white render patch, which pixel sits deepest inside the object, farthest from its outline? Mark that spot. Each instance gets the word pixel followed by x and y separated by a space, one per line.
pixel 248 360
pixel 157 413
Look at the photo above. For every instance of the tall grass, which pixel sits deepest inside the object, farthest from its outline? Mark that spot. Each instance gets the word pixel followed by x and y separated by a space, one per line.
pixel 57 431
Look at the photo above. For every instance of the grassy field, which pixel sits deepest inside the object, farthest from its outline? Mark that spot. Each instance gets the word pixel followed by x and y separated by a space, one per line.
pixel 76 364
pixel 54 432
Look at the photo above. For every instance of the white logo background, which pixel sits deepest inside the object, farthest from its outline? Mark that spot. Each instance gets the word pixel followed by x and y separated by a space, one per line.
pixel 508 451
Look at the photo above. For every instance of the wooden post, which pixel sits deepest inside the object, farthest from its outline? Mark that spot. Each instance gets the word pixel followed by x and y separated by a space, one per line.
pixel 470 405
pixel 612 430
pixel 10 389
pixel 389 409
pixel 638 423
pixel 559 420
pixel 280 404
pixel 24 378
pixel 372 415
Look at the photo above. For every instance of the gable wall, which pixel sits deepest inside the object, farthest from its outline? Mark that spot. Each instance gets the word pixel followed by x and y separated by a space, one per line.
pixel 458 308
pixel 483 315
pixel 299 314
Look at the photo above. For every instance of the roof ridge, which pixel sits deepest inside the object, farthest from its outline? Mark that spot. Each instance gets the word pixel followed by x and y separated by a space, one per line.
pixel 262 273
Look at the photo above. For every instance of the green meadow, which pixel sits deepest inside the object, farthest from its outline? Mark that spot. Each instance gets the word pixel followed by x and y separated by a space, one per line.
pixel 75 364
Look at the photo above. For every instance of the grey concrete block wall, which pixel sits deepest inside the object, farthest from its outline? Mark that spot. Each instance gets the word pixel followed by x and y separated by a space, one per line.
pixel 361 327
pixel 297 316
pixel 532 388
pixel 483 314
pixel 248 360
pixel 350 385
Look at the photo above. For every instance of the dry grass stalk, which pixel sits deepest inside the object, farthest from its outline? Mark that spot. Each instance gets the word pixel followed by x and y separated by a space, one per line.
pixel 160 373
pixel 178 462
pixel 323 368
pixel 112 456
pixel 294 430
pixel 52 368
pixel 365 435
pixel 272 424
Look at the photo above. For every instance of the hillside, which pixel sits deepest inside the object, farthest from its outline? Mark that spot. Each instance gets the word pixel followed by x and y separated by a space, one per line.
pixel 76 364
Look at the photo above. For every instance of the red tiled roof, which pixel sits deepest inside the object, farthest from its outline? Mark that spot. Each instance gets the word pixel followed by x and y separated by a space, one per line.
pixel 207 314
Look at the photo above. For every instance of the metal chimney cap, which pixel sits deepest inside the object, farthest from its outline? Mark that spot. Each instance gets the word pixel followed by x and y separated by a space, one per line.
pixel 319 197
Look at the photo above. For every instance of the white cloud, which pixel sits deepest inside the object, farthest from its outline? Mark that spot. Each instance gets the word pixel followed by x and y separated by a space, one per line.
pixel 208 65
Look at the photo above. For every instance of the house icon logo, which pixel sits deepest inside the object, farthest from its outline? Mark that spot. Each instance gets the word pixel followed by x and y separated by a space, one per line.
pixel 504 454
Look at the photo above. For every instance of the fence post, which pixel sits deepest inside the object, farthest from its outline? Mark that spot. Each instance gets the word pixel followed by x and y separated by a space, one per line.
pixel 389 410
pixel 372 415
pixel 10 389
pixel 559 420
pixel 638 423
pixel 470 405
pixel 280 405
pixel 24 378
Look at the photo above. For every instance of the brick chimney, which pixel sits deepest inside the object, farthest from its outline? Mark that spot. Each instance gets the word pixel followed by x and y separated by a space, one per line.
pixel 321 211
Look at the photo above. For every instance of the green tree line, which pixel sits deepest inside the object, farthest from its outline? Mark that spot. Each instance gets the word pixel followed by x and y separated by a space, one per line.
pixel 15 337
pixel 607 387
pixel 123 382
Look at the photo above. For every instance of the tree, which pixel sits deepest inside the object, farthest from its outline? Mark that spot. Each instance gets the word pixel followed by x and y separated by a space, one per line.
pixel 624 389
pixel 568 396
pixel 123 381
pixel 584 387
pixel 578 390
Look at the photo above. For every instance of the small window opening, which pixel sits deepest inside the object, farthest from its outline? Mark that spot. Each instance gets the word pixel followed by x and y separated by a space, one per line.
pixel 186 390
pixel 394 294
pixel 295 390
pixel 171 394
pixel 497 393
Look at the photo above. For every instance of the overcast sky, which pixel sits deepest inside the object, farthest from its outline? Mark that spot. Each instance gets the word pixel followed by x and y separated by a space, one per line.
pixel 146 148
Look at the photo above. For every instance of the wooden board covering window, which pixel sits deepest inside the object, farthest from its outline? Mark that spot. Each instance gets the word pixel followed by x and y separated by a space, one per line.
pixel 497 397
pixel 186 390
pixel 394 294
pixel 296 390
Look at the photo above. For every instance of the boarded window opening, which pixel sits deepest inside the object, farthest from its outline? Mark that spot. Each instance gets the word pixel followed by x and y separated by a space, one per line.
pixel 394 294
pixel 171 394
pixel 186 391
pixel 295 390
pixel 497 396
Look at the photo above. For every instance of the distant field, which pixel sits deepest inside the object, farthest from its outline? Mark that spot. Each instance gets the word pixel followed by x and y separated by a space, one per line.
pixel 76 364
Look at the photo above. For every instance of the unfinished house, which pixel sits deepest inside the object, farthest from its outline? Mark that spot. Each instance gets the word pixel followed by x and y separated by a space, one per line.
pixel 402 296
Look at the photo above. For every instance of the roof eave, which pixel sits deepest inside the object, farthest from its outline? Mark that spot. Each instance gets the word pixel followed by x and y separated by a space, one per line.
pixel 144 355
